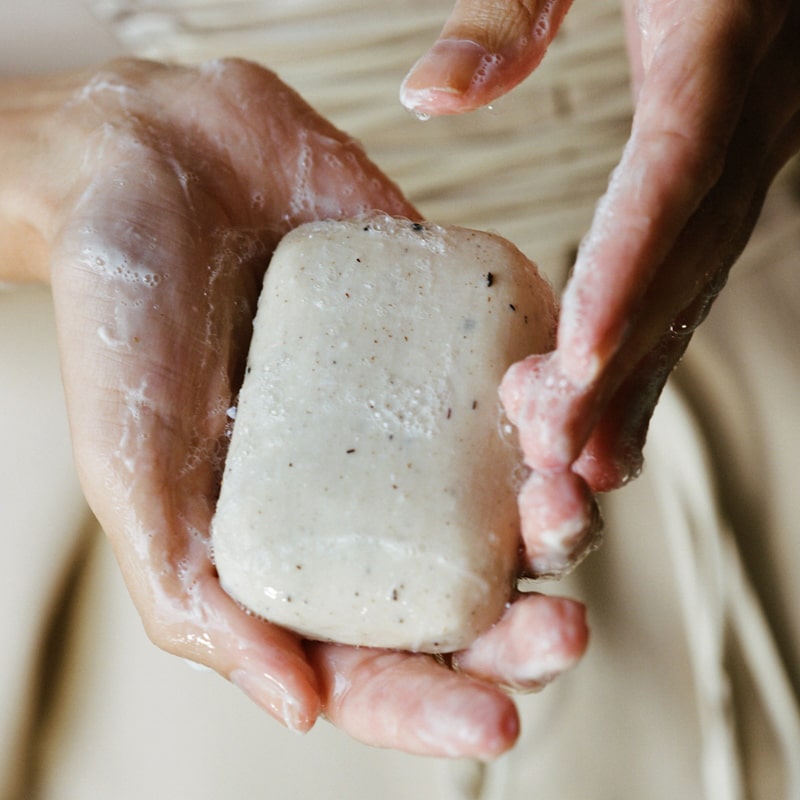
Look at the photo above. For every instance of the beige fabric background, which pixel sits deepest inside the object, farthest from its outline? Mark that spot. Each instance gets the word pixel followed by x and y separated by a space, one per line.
pixel 89 709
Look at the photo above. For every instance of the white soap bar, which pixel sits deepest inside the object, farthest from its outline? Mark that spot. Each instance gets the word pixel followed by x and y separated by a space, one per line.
pixel 369 494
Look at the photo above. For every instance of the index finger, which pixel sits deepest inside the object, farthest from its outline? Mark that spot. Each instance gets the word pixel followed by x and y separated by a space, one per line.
pixel 699 63
pixel 483 51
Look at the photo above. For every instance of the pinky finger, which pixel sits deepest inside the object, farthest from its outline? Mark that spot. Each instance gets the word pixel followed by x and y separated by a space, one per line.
pixel 537 639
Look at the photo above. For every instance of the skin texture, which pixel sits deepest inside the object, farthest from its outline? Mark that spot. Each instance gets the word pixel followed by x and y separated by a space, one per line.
pixel 151 198
pixel 717 114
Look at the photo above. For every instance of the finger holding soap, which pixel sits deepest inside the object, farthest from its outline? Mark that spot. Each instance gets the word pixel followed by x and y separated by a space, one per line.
pixel 560 521
pixel 427 708
pixel 413 703
pixel 552 415
pixel 559 517
pixel 538 638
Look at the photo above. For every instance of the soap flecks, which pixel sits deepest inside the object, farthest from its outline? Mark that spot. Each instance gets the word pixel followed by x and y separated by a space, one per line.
pixel 368 444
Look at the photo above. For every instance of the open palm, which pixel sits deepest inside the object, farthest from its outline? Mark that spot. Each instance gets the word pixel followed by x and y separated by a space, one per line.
pixel 189 179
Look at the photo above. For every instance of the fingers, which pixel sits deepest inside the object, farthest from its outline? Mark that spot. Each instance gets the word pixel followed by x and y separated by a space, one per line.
pixel 559 518
pixel 415 703
pixel 613 454
pixel 157 524
pixel 560 522
pixel 266 662
pixel 556 412
pixel 550 412
pixel 698 70
pixel 157 528
pixel 484 50
pixel 538 638
pixel 411 702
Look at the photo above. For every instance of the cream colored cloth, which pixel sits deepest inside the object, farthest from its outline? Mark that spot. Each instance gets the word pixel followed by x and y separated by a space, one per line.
pixel 691 683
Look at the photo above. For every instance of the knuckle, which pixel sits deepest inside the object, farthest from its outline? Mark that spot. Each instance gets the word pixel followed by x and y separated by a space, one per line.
pixel 496 25
pixel 699 157
pixel 160 634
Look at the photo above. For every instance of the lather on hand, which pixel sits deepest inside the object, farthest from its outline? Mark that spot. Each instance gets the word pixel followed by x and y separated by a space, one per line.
pixel 717 114
pixel 151 198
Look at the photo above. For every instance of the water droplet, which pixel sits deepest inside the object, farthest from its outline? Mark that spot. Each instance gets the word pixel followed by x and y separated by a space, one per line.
pixel 681 328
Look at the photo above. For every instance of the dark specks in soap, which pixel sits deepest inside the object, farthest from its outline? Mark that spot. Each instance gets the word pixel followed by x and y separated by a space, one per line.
pixel 489 279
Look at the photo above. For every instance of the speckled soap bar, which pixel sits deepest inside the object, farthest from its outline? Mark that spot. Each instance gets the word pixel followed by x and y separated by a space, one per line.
pixel 369 494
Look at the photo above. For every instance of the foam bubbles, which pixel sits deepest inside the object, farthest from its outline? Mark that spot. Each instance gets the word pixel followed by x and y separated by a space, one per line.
pixel 489 64
pixel 399 407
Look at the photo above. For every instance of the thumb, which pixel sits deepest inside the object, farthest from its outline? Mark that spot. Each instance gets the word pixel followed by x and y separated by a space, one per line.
pixel 485 49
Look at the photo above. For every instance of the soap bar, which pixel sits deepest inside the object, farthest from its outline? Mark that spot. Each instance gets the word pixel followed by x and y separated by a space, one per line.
pixel 369 492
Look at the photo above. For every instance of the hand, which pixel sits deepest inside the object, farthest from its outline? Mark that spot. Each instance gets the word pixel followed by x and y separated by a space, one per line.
pixel 163 193
pixel 717 90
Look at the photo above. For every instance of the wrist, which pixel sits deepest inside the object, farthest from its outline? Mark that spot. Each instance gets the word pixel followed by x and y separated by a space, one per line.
pixel 38 163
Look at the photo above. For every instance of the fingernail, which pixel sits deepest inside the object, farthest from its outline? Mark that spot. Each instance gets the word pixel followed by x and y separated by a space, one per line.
pixel 266 692
pixel 448 68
